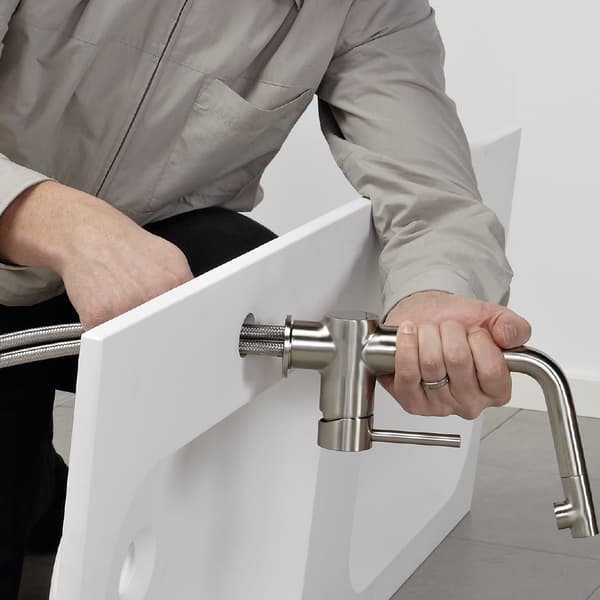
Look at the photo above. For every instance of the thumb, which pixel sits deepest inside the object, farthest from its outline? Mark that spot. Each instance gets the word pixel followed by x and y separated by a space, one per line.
pixel 508 329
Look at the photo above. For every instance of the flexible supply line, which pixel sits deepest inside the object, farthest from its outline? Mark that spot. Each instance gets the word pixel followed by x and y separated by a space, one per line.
pixel 39 335
pixel 37 353
pixel 24 348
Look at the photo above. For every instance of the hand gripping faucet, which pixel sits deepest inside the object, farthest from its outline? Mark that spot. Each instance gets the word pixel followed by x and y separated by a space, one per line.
pixel 350 349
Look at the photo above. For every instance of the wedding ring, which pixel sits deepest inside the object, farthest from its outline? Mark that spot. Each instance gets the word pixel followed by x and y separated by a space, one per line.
pixel 434 385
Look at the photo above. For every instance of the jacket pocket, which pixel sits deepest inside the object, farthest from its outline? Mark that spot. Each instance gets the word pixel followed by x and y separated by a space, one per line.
pixel 226 143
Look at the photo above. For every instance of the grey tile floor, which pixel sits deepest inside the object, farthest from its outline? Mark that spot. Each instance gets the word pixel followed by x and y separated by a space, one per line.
pixel 507 548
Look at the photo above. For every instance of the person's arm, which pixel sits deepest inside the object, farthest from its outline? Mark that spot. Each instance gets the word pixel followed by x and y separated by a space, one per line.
pixel 396 135
pixel 107 262
pixel 14 178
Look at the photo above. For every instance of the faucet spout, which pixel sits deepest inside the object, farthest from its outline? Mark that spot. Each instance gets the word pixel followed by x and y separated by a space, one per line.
pixel 576 512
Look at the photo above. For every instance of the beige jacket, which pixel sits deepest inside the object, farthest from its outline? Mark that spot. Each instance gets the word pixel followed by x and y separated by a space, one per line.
pixel 162 106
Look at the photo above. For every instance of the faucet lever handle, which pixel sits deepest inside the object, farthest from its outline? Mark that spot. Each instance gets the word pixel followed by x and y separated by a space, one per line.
pixel 355 435
pixel 419 438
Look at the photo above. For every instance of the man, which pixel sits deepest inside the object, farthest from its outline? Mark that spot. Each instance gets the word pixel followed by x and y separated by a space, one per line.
pixel 120 119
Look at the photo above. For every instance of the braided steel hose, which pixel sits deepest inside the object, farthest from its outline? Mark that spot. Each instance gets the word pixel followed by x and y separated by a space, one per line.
pixel 261 347
pixel 266 340
pixel 37 353
pixel 39 335
pixel 251 331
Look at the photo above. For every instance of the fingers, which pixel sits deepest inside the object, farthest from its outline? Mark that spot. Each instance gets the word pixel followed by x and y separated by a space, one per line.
pixel 476 368
pixel 431 357
pixel 433 368
pixel 509 329
pixel 407 378
pixel 491 368
pixel 464 386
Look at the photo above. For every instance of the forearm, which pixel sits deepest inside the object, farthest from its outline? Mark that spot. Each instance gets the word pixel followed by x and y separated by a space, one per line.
pixel 108 263
pixel 397 137
pixel 40 227
pixel 460 250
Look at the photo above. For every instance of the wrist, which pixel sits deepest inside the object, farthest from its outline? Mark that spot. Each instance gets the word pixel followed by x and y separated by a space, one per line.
pixel 43 226
pixel 432 292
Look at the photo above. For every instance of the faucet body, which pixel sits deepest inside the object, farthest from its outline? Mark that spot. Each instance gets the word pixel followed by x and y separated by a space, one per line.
pixel 350 349
pixel 349 352
pixel 347 385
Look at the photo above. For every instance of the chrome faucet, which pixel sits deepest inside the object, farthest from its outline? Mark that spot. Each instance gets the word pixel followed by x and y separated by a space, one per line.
pixel 350 349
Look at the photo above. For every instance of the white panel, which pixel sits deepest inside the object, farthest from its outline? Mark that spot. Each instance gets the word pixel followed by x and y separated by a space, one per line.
pixel 495 165
pixel 423 488
pixel 208 463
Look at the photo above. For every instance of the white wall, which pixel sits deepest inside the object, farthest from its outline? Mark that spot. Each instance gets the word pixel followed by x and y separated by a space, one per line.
pixel 534 65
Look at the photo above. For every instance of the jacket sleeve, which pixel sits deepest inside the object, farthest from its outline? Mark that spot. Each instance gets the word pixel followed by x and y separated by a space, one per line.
pixel 14 178
pixel 397 137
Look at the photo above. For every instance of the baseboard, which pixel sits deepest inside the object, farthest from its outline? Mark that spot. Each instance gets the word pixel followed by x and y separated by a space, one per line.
pixel 586 393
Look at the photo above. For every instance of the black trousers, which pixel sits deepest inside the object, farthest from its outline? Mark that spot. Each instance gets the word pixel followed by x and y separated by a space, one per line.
pixel 32 476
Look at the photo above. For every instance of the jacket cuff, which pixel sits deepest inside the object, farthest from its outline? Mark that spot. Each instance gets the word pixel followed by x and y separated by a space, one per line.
pixel 397 286
pixel 14 180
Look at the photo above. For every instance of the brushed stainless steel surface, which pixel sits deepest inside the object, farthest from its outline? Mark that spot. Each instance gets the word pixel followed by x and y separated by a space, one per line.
pixel 363 349
pixel 577 510
pixel 345 435
pixel 312 345
pixel 350 349
pixel 558 398
pixel 416 437
pixel 287 345
pixel 347 386
pixel 379 353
